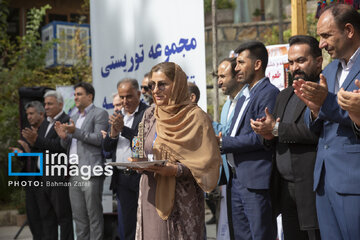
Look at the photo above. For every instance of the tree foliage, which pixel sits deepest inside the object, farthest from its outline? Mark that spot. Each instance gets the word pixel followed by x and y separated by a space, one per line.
pixel 272 37
pixel 220 4
pixel 22 63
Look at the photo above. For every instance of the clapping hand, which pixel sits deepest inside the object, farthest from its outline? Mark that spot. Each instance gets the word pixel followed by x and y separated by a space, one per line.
pixel 311 93
pixel 60 130
pixel 30 134
pixel 70 127
pixel 264 126
pixel 24 145
pixel 350 101
pixel 117 123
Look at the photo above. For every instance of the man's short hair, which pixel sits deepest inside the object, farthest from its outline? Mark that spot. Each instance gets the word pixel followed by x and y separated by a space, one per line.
pixel 343 14
pixel 89 89
pixel 312 42
pixel 146 75
pixel 37 105
pixel 257 52
pixel 195 90
pixel 232 61
pixel 55 94
pixel 134 83
pixel 115 94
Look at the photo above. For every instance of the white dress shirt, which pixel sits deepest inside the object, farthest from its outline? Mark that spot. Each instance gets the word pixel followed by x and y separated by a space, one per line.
pixel 234 101
pixel 78 124
pixel 345 69
pixel 123 149
pixel 246 93
pixel 52 122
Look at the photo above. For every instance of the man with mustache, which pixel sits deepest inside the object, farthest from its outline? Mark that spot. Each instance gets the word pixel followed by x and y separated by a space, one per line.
pixel 249 161
pixel 336 172
pixel 294 146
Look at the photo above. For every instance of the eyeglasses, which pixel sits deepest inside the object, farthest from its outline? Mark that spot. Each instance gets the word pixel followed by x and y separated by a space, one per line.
pixel 146 88
pixel 160 85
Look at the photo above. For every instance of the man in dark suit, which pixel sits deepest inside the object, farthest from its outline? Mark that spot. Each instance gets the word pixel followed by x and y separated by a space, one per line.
pixel 124 126
pixel 249 161
pixel 337 167
pixel 35 114
pixel 54 201
pixel 294 145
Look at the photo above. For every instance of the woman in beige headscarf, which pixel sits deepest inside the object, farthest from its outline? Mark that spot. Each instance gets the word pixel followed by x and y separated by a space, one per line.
pixel 171 198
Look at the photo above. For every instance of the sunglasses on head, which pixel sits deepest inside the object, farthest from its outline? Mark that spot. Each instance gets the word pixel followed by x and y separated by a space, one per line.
pixel 146 88
pixel 160 85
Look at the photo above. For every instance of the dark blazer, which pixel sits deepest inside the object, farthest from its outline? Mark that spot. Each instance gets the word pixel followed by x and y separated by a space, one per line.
pixel 356 131
pixel 338 148
pixel 302 144
pixel 110 145
pixel 252 160
pixel 29 164
pixel 51 142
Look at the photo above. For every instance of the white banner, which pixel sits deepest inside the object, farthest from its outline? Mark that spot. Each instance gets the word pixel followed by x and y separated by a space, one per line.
pixel 129 37
pixel 278 56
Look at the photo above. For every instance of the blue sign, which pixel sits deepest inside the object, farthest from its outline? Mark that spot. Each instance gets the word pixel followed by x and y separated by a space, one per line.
pixel 15 153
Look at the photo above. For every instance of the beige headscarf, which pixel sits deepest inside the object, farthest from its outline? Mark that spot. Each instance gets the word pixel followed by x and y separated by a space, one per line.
pixel 184 134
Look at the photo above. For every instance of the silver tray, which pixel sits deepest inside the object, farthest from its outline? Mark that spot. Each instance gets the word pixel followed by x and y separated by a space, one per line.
pixel 140 164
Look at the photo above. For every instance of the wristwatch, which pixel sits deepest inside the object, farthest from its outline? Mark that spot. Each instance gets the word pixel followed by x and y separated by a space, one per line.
pixel 275 130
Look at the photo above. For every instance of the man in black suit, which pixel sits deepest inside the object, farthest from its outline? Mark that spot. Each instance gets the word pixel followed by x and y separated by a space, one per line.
pixel 35 113
pixel 124 126
pixel 54 200
pixel 295 146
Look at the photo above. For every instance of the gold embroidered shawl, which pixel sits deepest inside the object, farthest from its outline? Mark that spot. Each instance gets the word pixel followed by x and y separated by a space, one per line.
pixel 184 134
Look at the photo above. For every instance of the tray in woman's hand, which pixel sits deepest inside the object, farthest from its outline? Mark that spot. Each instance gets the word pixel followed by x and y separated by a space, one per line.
pixel 139 164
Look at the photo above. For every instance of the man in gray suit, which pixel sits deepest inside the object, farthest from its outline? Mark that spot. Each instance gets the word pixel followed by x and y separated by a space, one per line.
pixel 82 138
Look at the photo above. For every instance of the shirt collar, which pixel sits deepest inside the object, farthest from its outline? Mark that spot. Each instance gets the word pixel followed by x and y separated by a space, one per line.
pixel 252 90
pixel 51 120
pixel 351 61
pixel 86 110
pixel 246 92
pixel 132 114
pixel 239 94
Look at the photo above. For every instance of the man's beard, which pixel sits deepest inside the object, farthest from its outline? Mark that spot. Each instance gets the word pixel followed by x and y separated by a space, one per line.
pixel 302 75
pixel 148 98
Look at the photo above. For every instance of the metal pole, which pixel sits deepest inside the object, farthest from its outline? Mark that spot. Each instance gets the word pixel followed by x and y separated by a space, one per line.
pixel 262 9
pixel 214 60
pixel 281 29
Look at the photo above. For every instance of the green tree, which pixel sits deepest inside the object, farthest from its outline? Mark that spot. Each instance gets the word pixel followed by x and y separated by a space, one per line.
pixel 220 4
pixel 22 63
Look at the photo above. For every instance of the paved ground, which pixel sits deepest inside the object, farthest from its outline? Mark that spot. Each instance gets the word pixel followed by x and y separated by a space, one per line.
pixel 9 232
pixel 210 229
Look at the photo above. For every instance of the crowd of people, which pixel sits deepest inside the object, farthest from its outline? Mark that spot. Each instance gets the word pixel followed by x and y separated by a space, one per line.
pixel 294 152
